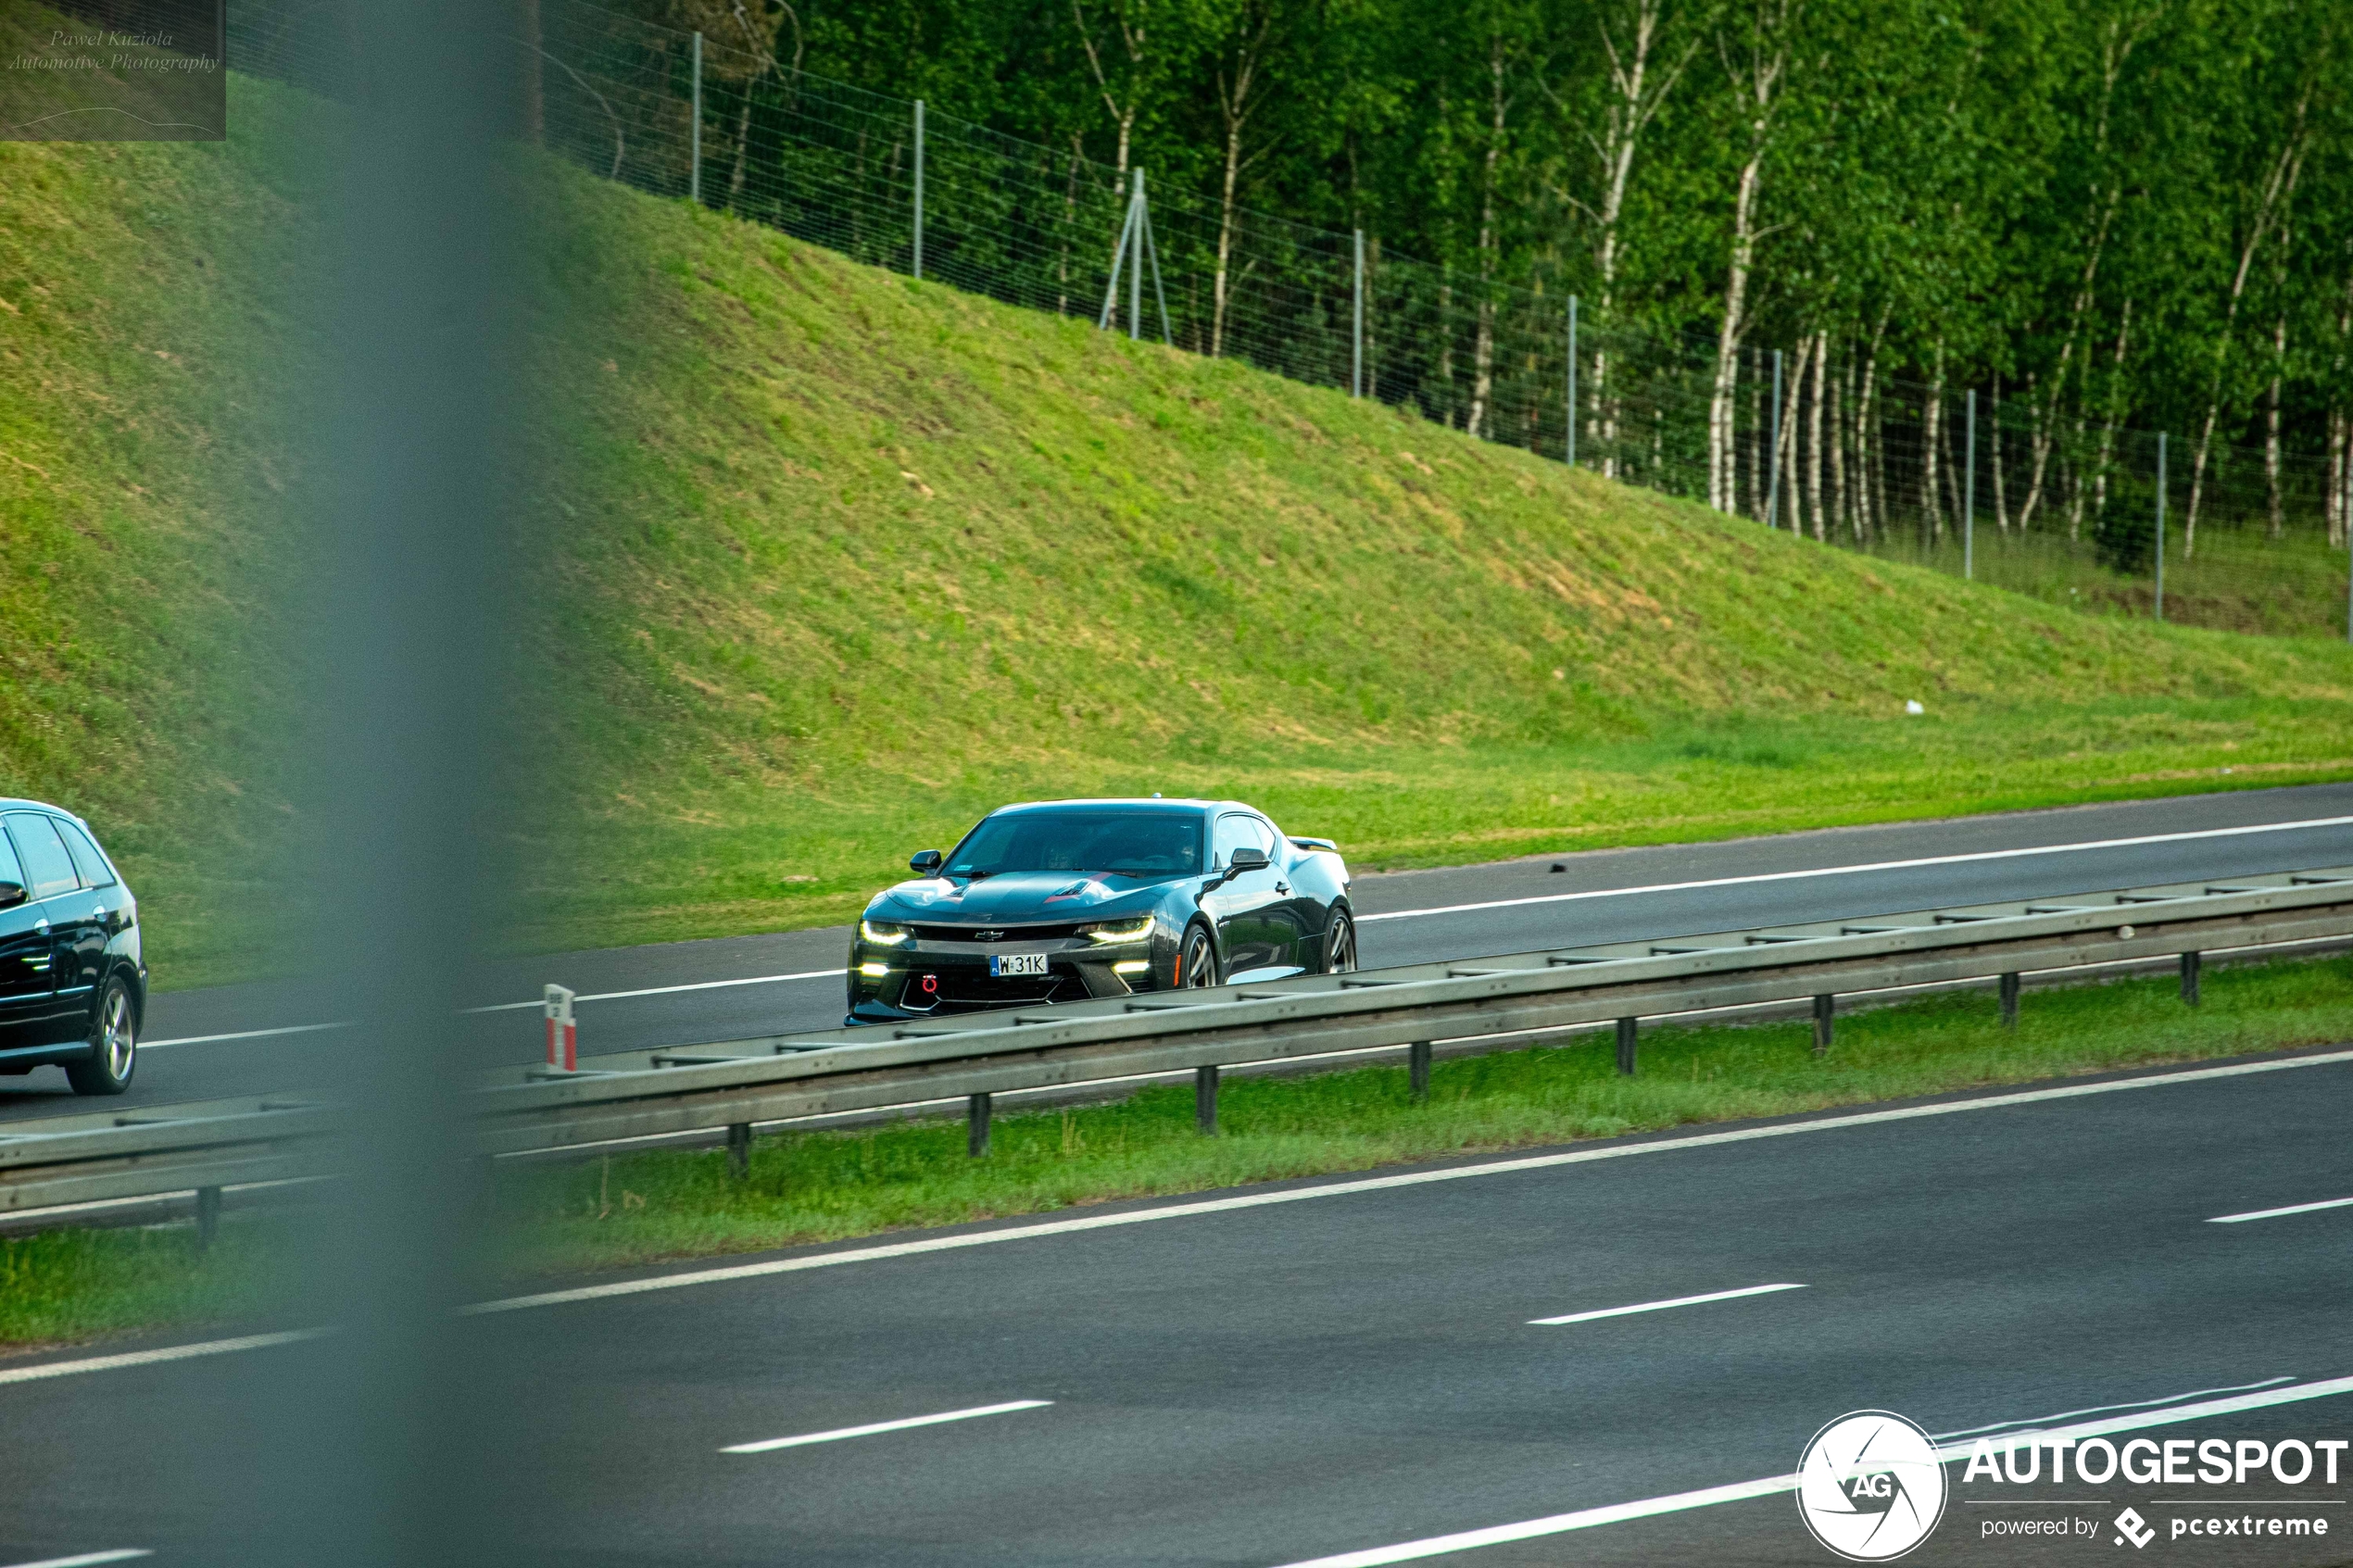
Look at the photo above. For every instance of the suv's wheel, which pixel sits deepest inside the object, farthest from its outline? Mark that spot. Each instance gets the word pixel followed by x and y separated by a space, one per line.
pixel 114 1046
pixel 1197 965
pixel 1340 944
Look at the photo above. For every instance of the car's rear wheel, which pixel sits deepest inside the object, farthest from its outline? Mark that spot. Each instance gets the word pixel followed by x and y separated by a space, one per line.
pixel 1340 944
pixel 1196 963
pixel 114 1045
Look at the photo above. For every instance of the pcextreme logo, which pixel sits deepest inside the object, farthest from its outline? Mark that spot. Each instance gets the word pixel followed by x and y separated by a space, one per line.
pixel 1870 1487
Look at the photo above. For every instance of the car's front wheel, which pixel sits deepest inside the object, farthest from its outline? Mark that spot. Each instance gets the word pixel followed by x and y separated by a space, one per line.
pixel 1196 963
pixel 114 1045
pixel 1340 944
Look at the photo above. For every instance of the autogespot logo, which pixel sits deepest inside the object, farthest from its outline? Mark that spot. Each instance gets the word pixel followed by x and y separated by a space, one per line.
pixel 1870 1487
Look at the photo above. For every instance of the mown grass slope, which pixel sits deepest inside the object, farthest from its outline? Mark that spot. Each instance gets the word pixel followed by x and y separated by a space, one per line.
pixel 829 562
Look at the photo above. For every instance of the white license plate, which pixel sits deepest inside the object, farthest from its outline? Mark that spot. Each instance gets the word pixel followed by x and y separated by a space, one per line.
pixel 1003 964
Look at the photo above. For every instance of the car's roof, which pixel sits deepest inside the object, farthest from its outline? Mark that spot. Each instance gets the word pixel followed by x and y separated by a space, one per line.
pixel 10 803
pixel 1139 803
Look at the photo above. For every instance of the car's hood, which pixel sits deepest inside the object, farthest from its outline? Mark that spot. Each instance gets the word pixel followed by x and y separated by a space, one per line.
pixel 1024 897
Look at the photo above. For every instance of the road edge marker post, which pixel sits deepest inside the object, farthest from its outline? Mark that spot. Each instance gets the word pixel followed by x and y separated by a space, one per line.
pixel 563 1035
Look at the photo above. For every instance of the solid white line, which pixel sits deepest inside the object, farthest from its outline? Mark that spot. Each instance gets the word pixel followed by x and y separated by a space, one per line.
pixel 1874 866
pixel 2101 1410
pixel 1380 1184
pixel 2275 1214
pixel 123 1555
pixel 243 1034
pixel 667 990
pixel 1585 1519
pixel 149 1358
pixel 839 1433
pixel 1662 1306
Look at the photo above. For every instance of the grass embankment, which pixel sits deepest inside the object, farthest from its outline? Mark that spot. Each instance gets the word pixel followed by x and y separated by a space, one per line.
pixel 656 1205
pixel 833 562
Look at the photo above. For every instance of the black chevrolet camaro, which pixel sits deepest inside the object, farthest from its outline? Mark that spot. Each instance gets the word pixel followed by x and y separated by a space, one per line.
pixel 1062 900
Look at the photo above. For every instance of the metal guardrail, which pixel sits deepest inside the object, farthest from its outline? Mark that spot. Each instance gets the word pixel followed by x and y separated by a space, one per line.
pixel 976 1056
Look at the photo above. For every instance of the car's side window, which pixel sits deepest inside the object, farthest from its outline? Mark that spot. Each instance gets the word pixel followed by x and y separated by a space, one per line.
pixel 10 872
pixel 95 871
pixel 1267 837
pixel 1233 831
pixel 49 869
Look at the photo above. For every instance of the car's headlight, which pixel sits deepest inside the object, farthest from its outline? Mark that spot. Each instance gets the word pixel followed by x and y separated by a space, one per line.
pixel 1118 930
pixel 882 932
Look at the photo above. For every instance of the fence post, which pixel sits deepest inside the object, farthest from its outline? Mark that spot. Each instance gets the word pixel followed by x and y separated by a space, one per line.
pixel 1572 381
pixel 2160 525
pixel 1136 266
pixel 1417 1071
pixel 1205 1099
pixel 919 190
pixel 2189 978
pixel 2009 1001
pixel 1774 450
pixel 740 1149
pixel 207 1216
pixel 1356 346
pixel 1118 259
pixel 1825 1011
pixel 977 1125
pixel 694 175
pixel 1968 497
pixel 1626 1027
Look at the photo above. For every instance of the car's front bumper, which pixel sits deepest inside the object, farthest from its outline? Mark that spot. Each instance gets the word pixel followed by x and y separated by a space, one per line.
pixel 929 979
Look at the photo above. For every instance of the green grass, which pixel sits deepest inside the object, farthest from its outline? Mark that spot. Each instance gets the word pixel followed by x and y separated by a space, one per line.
pixel 831 1186
pixel 828 562
pixel 653 1206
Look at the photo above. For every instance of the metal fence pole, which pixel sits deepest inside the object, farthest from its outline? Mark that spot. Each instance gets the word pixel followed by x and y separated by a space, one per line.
pixel 1773 449
pixel 1356 347
pixel 694 155
pixel 919 188
pixel 2160 525
pixel 1968 497
pixel 1135 265
pixel 1572 381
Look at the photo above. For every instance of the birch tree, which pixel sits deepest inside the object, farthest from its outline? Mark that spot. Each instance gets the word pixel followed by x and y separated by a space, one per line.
pixel 1756 67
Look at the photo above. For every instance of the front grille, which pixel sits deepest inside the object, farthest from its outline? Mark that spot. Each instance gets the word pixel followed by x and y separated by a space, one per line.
pixel 971 989
pixel 1012 932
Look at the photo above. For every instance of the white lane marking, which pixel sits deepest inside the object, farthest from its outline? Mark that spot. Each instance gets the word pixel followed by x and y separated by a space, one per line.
pixel 243 1034
pixel 2275 1214
pixel 1381 1184
pixel 835 1436
pixel 1854 870
pixel 1585 1519
pixel 667 990
pixel 2127 1405
pixel 123 1554
pixel 149 1358
pixel 1662 1306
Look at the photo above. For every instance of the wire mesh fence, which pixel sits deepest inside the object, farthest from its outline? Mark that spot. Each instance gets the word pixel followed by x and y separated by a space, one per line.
pixel 1817 439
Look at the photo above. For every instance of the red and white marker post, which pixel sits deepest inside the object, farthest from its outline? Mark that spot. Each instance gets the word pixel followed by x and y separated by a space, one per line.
pixel 563 1035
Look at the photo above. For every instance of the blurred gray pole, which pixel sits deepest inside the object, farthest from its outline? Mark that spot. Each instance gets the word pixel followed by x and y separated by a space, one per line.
pixel 693 177
pixel 1773 449
pixel 2160 525
pixel 1572 381
pixel 1135 265
pixel 919 188
pixel 390 1450
pixel 1118 256
pixel 1150 252
pixel 1968 496
pixel 1356 349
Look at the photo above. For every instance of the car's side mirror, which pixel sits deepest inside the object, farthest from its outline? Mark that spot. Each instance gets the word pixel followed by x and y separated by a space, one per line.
pixel 11 895
pixel 1248 858
pixel 926 863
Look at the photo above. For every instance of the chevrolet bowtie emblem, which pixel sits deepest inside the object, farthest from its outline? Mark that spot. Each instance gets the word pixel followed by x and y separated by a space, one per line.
pixel 989 935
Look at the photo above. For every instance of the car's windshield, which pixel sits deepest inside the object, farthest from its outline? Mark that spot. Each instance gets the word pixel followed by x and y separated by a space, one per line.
pixel 1143 844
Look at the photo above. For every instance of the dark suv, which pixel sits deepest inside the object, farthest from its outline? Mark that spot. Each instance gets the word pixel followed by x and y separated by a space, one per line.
pixel 72 986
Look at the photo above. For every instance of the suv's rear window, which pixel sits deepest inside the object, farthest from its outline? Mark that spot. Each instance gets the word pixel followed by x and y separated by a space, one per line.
pixel 44 854
pixel 93 866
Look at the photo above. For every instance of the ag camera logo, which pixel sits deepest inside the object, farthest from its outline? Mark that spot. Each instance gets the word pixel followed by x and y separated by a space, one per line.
pixel 1870 1487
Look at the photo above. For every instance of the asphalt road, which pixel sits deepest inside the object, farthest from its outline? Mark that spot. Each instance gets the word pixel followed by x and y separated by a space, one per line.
pixel 215 1043
pixel 1260 1385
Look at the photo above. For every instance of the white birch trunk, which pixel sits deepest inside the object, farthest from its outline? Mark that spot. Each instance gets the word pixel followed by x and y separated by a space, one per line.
pixel 1814 438
pixel 1483 341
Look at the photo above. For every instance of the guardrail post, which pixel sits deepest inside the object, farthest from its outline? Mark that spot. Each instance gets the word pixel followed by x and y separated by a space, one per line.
pixel 2009 1001
pixel 207 1215
pixel 2189 979
pixel 1626 1027
pixel 977 1125
pixel 1417 1071
pixel 1824 1011
pixel 740 1149
pixel 1205 1099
